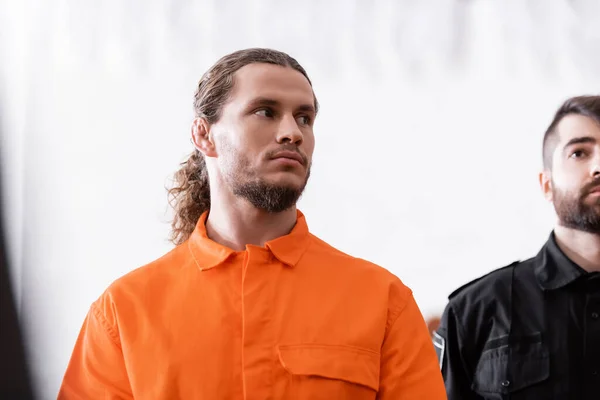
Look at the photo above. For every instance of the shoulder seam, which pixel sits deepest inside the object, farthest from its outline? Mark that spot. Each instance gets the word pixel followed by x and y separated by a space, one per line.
pixel 102 319
pixel 396 314
pixel 461 329
pixel 466 285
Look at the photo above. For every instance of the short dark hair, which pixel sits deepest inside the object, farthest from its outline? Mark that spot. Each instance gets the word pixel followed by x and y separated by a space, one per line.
pixel 588 106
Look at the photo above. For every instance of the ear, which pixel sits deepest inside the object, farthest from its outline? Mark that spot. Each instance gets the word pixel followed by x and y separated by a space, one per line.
pixel 201 137
pixel 545 178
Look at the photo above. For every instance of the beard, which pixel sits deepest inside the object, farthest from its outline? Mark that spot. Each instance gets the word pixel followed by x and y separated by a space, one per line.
pixel 247 184
pixel 573 212
pixel 267 196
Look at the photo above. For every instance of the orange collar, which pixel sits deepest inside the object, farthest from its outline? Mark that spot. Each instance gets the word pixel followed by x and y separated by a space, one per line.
pixel 288 248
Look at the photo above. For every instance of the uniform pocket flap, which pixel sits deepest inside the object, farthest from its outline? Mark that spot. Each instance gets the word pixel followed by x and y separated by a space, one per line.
pixel 347 363
pixel 510 368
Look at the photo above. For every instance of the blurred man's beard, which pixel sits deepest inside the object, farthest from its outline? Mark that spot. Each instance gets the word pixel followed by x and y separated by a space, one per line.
pixel 573 212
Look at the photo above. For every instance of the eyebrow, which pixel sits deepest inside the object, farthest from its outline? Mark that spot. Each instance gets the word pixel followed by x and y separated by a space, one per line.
pixel 580 140
pixel 264 101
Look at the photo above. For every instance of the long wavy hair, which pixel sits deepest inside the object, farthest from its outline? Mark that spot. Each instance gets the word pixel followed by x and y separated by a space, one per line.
pixel 190 194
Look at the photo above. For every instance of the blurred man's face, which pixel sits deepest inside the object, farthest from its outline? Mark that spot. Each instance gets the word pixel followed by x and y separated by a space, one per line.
pixel 264 137
pixel 573 184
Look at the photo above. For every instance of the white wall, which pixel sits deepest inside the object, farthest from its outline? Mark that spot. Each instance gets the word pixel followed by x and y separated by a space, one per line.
pixel 428 144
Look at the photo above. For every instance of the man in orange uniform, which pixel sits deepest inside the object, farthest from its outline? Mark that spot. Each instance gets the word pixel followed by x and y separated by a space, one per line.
pixel 249 304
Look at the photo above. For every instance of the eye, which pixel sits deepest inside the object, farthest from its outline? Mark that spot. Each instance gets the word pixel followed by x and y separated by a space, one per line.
pixel 303 120
pixel 577 154
pixel 264 112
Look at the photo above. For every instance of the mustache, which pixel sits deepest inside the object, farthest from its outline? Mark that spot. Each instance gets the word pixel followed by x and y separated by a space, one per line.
pixel 288 147
pixel 591 186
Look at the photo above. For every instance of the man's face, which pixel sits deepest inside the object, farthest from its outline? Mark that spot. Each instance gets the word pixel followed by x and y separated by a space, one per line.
pixel 264 138
pixel 573 184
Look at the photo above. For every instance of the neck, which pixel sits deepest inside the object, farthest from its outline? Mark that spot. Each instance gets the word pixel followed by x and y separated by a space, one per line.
pixel 235 223
pixel 583 248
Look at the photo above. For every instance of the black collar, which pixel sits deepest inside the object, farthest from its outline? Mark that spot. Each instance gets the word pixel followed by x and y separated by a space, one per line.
pixel 553 268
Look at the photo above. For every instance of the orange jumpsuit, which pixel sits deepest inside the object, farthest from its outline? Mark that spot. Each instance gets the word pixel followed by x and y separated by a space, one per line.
pixel 295 319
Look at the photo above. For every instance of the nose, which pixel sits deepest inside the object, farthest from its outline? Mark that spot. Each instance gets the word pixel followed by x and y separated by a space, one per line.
pixel 595 170
pixel 289 132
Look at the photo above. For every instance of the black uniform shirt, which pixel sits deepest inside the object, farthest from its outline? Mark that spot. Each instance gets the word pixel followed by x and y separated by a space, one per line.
pixel 530 330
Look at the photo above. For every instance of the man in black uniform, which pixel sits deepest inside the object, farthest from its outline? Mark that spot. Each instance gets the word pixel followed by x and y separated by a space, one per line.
pixel 531 330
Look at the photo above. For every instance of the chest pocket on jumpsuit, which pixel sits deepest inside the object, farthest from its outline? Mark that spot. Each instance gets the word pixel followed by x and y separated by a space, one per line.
pixel 330 372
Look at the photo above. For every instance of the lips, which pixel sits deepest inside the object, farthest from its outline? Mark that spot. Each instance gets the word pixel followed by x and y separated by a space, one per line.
pixel 292 155
pixel 594 190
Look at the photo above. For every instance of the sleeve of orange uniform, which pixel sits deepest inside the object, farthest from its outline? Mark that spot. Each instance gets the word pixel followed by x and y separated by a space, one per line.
pixel 409 365
pixel 97 367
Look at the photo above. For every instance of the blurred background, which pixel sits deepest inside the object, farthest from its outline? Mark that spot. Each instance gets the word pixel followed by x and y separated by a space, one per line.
pixel 428 141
